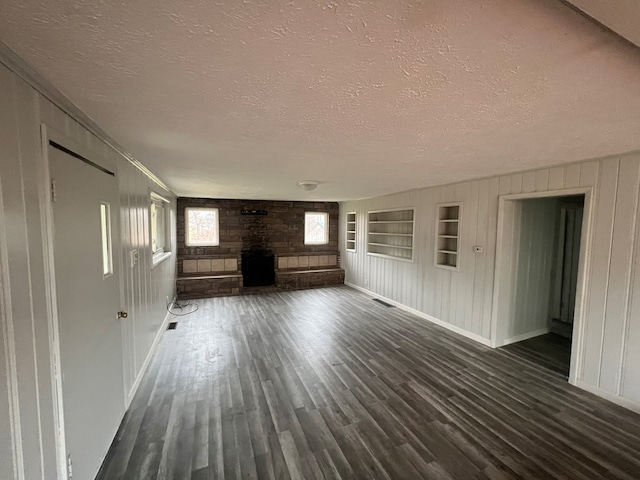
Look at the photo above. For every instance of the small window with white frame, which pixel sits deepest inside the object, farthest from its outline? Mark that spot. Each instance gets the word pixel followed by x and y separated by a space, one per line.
pixel 316 228
pixel 202 227
pixel 105 227
pixel 159 211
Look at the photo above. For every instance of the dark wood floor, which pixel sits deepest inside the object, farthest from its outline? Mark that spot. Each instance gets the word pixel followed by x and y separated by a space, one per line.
pixel 329 384
pixel 550 351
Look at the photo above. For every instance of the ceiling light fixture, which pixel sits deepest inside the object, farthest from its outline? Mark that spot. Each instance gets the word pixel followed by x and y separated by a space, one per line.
pixel 308 185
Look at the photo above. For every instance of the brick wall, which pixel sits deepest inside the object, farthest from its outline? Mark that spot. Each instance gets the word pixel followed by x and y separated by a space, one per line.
pixel 280 231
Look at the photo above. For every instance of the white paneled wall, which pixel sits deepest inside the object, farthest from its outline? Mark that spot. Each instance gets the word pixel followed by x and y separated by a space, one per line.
pixel 27 338
pixel 463 300
pixel 144 288
pixel 528 246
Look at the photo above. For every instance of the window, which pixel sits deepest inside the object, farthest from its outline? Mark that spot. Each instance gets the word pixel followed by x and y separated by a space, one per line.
pixel 202 227
pixel 316 228
pixel 159 212
pixel 105 227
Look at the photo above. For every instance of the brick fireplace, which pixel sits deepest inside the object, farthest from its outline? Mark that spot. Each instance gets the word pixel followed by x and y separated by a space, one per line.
pixel 261 243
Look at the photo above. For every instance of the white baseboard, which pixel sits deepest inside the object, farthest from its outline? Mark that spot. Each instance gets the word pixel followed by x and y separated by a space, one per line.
pixel 524 336
pixel 147 360
pixel 437 321
pixel 618 400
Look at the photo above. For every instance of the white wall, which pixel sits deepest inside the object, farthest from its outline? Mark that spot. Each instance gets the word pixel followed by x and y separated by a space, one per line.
pixel 529 244
pixel 27 395
pixel 463 300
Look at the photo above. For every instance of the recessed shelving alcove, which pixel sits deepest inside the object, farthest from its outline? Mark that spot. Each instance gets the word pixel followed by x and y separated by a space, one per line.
pixel 390 233
pixel 447 242
pixel 351 231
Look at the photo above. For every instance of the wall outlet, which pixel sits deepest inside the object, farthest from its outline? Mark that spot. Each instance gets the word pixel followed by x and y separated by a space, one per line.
pixel 366 282
pixel 133 258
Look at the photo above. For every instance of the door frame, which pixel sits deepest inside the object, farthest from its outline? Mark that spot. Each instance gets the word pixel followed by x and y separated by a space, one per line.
pixel 48 133
pixel 505 217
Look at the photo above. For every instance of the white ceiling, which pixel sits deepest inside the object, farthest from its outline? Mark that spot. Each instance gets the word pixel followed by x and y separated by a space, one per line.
pixel 244 99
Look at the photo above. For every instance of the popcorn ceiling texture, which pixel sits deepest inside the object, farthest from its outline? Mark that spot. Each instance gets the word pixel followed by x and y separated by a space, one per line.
pixel 244 99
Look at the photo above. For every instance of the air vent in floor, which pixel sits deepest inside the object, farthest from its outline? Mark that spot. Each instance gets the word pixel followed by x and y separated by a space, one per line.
pixel 383 303
pixel 172 325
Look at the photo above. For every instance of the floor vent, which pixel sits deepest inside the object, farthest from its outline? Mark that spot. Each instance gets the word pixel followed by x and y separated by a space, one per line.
pixel 172 325
pixel 383 303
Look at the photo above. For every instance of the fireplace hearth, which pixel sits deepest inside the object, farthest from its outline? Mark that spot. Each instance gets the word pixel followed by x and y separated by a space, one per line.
pixel 258 268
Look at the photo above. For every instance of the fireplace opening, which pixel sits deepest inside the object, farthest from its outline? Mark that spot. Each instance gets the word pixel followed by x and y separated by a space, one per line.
pixel 258 268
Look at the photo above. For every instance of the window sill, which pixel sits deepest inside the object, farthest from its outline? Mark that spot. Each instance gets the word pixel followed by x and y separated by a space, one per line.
pixel 159 258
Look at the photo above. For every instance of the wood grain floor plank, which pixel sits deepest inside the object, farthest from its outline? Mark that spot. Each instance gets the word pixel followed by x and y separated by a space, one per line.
pixel 328 384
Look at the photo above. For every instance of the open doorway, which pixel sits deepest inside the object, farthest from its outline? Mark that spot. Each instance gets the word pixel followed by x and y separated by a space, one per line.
pixel 538 271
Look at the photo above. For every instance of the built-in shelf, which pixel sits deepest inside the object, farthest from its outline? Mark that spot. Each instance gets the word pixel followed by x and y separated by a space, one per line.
pixel 447 242
pixel 351 232
pixel 390 233
pixel 391 221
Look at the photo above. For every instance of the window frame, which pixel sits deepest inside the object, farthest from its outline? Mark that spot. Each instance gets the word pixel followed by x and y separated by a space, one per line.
pixel 325 241
pixel 165 251
pixel 216 241
pixel 106 240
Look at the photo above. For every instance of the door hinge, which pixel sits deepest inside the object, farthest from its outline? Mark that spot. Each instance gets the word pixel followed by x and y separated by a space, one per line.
pixel 69 467
pixel 54 194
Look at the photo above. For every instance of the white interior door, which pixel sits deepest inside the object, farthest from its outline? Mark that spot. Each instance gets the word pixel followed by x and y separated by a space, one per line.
pixel 85 211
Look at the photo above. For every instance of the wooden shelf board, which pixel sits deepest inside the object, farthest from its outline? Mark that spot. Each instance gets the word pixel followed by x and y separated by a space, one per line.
pixel 392 234
pixel 386 245
pixel 390 221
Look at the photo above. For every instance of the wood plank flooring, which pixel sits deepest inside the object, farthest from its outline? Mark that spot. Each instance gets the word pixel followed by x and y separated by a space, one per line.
pixel 550 351
pixel 328 384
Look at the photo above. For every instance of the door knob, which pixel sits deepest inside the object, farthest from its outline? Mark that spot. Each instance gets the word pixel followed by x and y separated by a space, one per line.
pixel 123 314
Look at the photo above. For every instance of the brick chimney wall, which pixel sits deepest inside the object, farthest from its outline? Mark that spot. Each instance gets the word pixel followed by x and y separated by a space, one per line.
pixel 281 231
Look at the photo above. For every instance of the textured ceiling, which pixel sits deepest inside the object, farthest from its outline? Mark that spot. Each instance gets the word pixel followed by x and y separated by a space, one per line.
pixel 245 99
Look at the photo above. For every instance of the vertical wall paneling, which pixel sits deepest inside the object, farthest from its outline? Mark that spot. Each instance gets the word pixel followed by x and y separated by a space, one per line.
pixel 542 180
pixel 619 272
pixel 629 384
pixel 18 246
pixel 528 182
pixel 32 450
pixel 11 455
pixel 599 278
pixel 528 305
pixel 556 178
pixel 571 176
pixel 515 183
pixel 606 352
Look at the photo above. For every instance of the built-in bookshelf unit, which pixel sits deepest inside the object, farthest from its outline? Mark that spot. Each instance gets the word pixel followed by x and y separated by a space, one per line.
pixel 351 231
pixel 447 244
pixel 390 233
